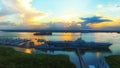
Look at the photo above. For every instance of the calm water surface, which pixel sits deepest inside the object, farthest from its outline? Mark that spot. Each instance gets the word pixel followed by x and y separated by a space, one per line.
pixel 92 58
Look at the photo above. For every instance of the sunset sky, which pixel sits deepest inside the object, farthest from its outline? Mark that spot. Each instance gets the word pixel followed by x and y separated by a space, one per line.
pixel 96 14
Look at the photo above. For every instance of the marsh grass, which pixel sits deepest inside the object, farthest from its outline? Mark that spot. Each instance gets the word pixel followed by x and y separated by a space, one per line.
pixel 9 58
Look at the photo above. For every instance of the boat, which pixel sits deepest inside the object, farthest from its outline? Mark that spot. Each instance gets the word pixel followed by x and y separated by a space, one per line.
pixel 79 43
pixel 43 33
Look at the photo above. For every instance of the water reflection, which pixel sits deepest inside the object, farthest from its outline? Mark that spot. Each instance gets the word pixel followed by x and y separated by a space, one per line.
pixel 28 50
pixel 95 59
pixel 70 36
pixel 89 37
pixel 67 36
pixel 112 38
pixel 25 50
pixel 98 54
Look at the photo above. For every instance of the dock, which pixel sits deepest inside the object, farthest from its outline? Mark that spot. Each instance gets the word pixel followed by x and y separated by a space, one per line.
pixel 82 63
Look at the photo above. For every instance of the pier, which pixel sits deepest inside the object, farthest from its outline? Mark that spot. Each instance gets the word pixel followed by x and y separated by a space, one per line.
pixel 82 63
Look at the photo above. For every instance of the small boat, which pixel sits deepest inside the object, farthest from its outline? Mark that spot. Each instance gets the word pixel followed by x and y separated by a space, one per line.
pixel 43 33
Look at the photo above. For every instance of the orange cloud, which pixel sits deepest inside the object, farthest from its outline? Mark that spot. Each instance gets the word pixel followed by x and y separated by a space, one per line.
pixel 1 17
pixel 26 12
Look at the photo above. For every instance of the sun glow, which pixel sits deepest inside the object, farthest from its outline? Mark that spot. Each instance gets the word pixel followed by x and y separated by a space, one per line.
pixel 66 18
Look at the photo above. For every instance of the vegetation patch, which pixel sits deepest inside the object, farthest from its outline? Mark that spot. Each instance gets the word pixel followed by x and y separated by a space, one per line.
pixel 9 58
pixel 113 61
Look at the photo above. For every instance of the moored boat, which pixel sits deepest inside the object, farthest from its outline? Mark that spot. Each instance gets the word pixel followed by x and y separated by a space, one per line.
pixel 43 33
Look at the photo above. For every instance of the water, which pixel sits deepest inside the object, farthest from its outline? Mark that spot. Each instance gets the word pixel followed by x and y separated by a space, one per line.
pixel 92 58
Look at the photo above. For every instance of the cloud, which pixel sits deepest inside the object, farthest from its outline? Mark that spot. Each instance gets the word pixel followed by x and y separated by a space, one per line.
pixel 115 23
pixel 24 9
pixel 100 6
pixel 112 28
pixel 109 9
pixel 92 20
pixel 5 11
pixel 7 25
pixel 113 8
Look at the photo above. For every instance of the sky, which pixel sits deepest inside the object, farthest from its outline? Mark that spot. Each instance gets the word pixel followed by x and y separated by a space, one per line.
pixel 32 14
